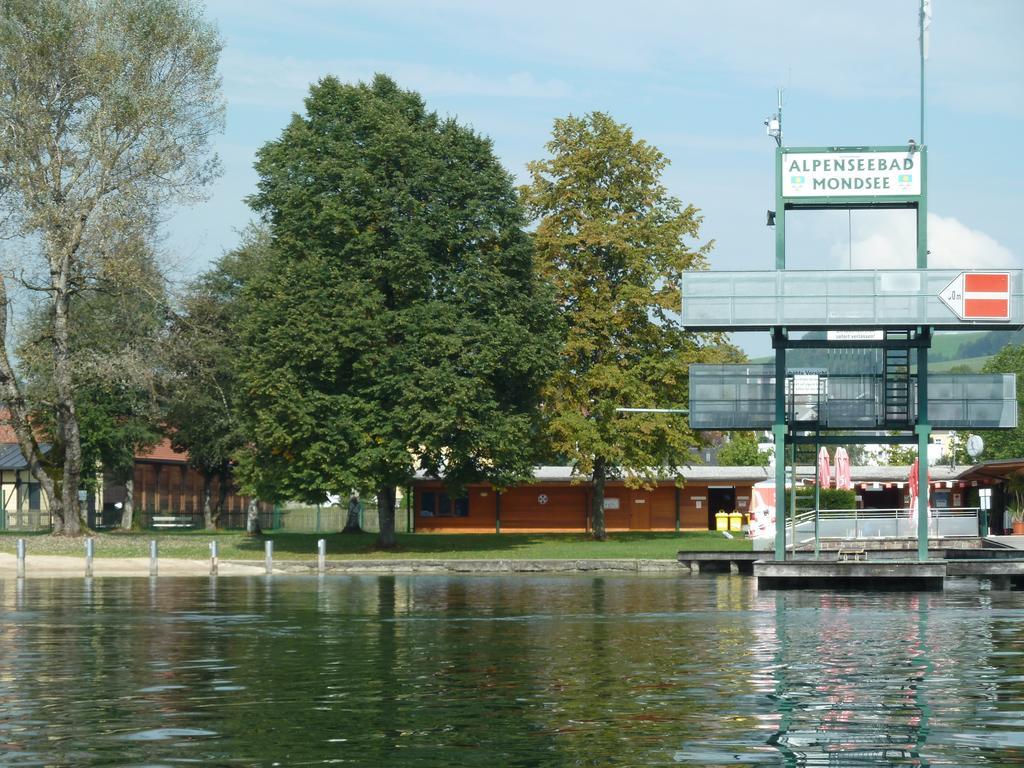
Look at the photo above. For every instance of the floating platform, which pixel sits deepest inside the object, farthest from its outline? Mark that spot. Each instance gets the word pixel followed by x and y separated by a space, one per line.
pixel 882 569
pixel 831 574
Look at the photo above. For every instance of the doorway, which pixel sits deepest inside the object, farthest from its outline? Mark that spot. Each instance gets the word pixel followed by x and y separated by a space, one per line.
pixel 721 498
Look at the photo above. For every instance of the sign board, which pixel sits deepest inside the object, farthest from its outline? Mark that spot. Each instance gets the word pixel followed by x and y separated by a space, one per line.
pixel 865 299
pixel 611 503
pixel 805 384
pixel 979 296
pixel 851 174
pixel 855 335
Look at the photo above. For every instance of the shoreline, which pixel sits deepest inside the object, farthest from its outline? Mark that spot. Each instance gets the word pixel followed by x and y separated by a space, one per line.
pixel 65 566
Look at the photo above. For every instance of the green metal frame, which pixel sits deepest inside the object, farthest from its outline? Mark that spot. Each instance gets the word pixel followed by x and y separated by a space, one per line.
pixel 781 342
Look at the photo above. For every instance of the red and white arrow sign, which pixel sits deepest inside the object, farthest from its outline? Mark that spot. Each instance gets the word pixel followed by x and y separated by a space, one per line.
pixel 979 295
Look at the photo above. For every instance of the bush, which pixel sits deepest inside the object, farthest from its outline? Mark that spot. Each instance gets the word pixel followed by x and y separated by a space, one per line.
pixel 831 498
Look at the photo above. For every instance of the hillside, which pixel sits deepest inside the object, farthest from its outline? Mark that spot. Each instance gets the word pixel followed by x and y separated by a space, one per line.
pixel 949 350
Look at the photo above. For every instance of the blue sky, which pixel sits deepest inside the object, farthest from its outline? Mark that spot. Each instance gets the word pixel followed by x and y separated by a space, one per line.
pixel 697 79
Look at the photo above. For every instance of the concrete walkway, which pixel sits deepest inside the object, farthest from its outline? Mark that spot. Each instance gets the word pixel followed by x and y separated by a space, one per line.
pixel 61 566
pixel 483 566
pixel 1017 542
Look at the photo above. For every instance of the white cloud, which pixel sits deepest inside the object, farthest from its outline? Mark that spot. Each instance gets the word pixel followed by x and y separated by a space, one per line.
pixel 891 243
pixel 283 82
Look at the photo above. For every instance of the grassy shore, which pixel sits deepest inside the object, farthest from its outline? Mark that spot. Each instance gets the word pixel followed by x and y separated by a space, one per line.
pixel 235 545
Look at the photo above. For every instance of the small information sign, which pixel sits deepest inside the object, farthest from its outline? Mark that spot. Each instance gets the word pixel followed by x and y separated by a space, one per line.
pixel 855 335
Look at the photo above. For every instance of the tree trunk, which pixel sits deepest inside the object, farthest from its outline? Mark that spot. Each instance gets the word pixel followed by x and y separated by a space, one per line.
pixel 352 522
pixel 128 510
pixel 386 516
pixel 222 493
pixel 597 500
pixel 70 519
pixel 252 519
pixel 208 521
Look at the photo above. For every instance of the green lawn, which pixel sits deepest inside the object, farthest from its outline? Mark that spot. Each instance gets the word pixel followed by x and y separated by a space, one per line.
pixel 234 545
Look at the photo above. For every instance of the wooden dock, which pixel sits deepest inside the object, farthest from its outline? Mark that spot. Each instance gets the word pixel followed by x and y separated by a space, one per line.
pixel 878 570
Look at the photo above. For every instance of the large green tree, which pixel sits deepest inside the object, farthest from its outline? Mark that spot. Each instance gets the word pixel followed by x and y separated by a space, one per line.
pixel 399 326
pixel 741 451
pixel 200 385
pixel 1006 443
pixel 613 243
pixel 106 111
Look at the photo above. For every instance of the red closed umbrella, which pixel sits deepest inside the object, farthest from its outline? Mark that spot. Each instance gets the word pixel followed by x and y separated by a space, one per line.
pixel 912 482
pixel 844 481
pixel 824 470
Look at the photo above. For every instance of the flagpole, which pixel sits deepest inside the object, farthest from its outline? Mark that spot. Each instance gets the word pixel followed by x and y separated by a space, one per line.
pixel 924 21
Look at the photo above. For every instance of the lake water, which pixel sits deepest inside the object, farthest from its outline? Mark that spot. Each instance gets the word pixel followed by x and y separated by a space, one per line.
pixel 506 671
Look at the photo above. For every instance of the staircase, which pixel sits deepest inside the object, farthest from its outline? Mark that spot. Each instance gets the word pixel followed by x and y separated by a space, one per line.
pixel 896 381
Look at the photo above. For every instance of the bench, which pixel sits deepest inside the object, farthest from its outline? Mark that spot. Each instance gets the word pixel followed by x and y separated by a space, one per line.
pixel 847 555
pixel 173 521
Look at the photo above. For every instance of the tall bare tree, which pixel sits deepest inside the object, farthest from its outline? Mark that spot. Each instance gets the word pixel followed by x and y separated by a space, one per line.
pixel 107 108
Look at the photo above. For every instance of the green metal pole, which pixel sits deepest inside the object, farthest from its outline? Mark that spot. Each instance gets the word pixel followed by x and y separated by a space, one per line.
pixel 412 510
pixel 817 497
pixel 923 430
pixel 779 431
pixel 780 214
pixel 922 212
pixel 497 511
pixel 792 499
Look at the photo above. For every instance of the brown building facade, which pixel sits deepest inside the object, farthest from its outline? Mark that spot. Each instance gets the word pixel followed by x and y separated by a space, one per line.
pixel 558 501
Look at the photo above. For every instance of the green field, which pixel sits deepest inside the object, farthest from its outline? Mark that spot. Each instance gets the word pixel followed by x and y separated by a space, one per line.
pixel 233 545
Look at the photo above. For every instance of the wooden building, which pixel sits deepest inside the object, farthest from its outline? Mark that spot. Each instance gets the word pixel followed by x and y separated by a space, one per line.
pixel 164 484
pixel 559 501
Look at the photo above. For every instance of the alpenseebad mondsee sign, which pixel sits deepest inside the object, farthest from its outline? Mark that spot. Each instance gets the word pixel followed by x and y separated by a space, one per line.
pixel 850 174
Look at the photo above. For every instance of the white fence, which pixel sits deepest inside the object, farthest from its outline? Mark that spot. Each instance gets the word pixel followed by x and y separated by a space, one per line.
pixel 881 523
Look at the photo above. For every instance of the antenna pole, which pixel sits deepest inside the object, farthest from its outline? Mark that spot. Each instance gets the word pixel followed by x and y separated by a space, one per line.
pixel 925 19
pixel 779 137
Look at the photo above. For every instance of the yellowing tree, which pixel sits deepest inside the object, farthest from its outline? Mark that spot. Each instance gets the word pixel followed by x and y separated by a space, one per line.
pixel 613 243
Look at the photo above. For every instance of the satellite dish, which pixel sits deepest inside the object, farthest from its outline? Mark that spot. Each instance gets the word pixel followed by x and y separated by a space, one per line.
pixel 975 445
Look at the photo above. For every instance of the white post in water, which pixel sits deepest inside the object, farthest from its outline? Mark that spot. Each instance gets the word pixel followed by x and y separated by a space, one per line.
pixel 213 558
pixel 152 557
pixel 21 559
pixel 88 558
pixel 321 555
pixel 268 551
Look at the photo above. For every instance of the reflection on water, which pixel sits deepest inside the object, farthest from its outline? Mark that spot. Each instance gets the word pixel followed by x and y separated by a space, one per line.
pixel 506 671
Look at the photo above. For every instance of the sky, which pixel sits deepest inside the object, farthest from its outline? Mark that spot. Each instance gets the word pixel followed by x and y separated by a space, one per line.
pixel 697 79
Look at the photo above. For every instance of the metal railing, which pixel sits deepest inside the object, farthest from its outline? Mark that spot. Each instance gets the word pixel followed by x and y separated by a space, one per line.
pixel 851 524
pixel 742 396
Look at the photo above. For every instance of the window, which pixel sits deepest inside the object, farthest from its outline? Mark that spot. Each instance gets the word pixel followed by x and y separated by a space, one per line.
pixel 428 502
pixel 33 497
pixel 438 504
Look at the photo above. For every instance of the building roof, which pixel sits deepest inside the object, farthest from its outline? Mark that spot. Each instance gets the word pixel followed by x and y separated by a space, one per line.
pixel 898 473
pixel 162 452
pixel 894 476
pixel 11 457
pixel 696 473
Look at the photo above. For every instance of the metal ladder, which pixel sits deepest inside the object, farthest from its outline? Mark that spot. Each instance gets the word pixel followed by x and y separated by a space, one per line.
pixel 896 380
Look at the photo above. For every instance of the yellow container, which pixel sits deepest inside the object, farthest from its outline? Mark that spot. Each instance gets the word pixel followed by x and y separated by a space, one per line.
pixel 735 521
pixel 722 521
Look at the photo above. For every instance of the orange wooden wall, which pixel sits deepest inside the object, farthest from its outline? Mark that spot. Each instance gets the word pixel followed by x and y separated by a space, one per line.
pixel 565 507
